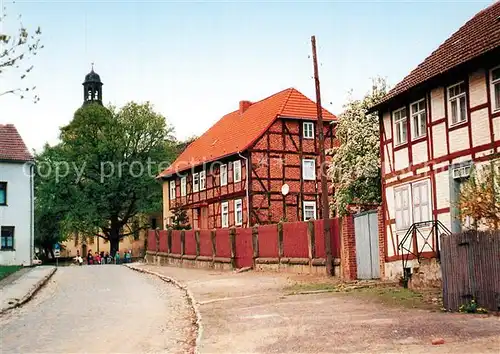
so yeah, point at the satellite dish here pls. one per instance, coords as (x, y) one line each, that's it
(285, 189)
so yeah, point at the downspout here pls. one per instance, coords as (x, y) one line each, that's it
(32, 171)
(246, 187)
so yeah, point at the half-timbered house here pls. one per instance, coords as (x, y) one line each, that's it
(440, 120)
(257, 164)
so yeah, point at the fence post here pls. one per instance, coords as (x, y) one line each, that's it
(232, 241)
(255, 243)
(311, 241)
(157, 236)
(183, 241)
(169, 241)
(197, 240)
(280, 240)
(213, 235)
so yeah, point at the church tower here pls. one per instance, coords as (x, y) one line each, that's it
(92, 88)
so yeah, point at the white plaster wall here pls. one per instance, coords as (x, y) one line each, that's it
(462, 158)
(401, 159)
(419, 152)
(18, 213)
(480, 124)
(445, 218)
(442, 189)
(388, 163)
(437, 103)
(459, 139)
(387, 125)
(477, 88)
(439, 138)
(496, 129)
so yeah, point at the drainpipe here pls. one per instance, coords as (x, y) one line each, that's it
(32, 171)
(246, 187)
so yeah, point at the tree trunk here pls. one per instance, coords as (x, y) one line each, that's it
(114, 244)
(114, 236)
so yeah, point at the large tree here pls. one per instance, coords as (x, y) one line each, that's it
(355, 164)
(17, 46)
(105, 172)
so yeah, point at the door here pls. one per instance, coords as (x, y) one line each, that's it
(367, 248)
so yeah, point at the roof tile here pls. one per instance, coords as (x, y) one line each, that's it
(236, 132)
(12, 147)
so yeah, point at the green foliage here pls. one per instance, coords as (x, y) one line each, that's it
(180, 220)
(104, 172)
(480, 197)
(355, 165)
(471, 307)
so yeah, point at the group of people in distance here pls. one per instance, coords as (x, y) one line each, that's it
(104, 258)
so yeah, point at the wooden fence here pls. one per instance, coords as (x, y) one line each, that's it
(470, 264)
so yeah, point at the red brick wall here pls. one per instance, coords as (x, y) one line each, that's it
(348, 249)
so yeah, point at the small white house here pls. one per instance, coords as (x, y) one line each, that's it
(16, 199)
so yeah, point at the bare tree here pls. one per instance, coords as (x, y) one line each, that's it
(16, 50)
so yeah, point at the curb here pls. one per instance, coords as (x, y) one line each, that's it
(189, 294)
(31, 293)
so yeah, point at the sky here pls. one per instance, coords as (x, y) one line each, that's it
(194, 61)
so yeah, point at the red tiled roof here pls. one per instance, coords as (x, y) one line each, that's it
(236, 132)
(477, 36)
(12, 147)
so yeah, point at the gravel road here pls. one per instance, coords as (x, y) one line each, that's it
(100, 309)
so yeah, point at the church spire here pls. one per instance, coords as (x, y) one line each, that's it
(92, 88)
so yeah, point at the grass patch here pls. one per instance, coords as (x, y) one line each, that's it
(8, 270)
(300, 287)
(397, 296)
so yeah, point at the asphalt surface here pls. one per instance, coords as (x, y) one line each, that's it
(100, 309)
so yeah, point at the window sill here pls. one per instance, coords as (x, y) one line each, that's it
(458, 125)
(419, 139)
(7, 249)
(401, 146)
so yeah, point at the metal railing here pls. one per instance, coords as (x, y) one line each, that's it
(411, 244)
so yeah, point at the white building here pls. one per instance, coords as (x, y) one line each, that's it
(443, 118)
(16, 199)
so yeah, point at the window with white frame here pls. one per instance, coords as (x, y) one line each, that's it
(495, 88)
(223, 175)
(412, 204)
(402, 207)
(308, 169)
(420, 201)
(196, 182)
(203, 180)
(183, 186)
(238, 212)
(308, 128)
(172, 190)
(309, 210)
(400, 126)
(237, 171)
(418, 119)
(225, 214)
(457, 103)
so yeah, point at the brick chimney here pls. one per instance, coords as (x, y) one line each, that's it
(244, 106)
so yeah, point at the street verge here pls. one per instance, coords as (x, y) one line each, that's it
(24, 287)
(191, 300)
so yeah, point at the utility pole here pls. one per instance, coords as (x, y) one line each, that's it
(322, 160)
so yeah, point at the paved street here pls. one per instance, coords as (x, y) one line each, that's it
(100, 309)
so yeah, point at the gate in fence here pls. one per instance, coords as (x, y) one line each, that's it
(367, 246)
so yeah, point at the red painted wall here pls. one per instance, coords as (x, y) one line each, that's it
(205, 243)
(163, 247)
(189, 242)
(222, 244)
(295, 242)
(268, 241)
(244, 249)
(176, 242)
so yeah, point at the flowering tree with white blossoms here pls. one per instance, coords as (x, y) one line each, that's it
(355, 164)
